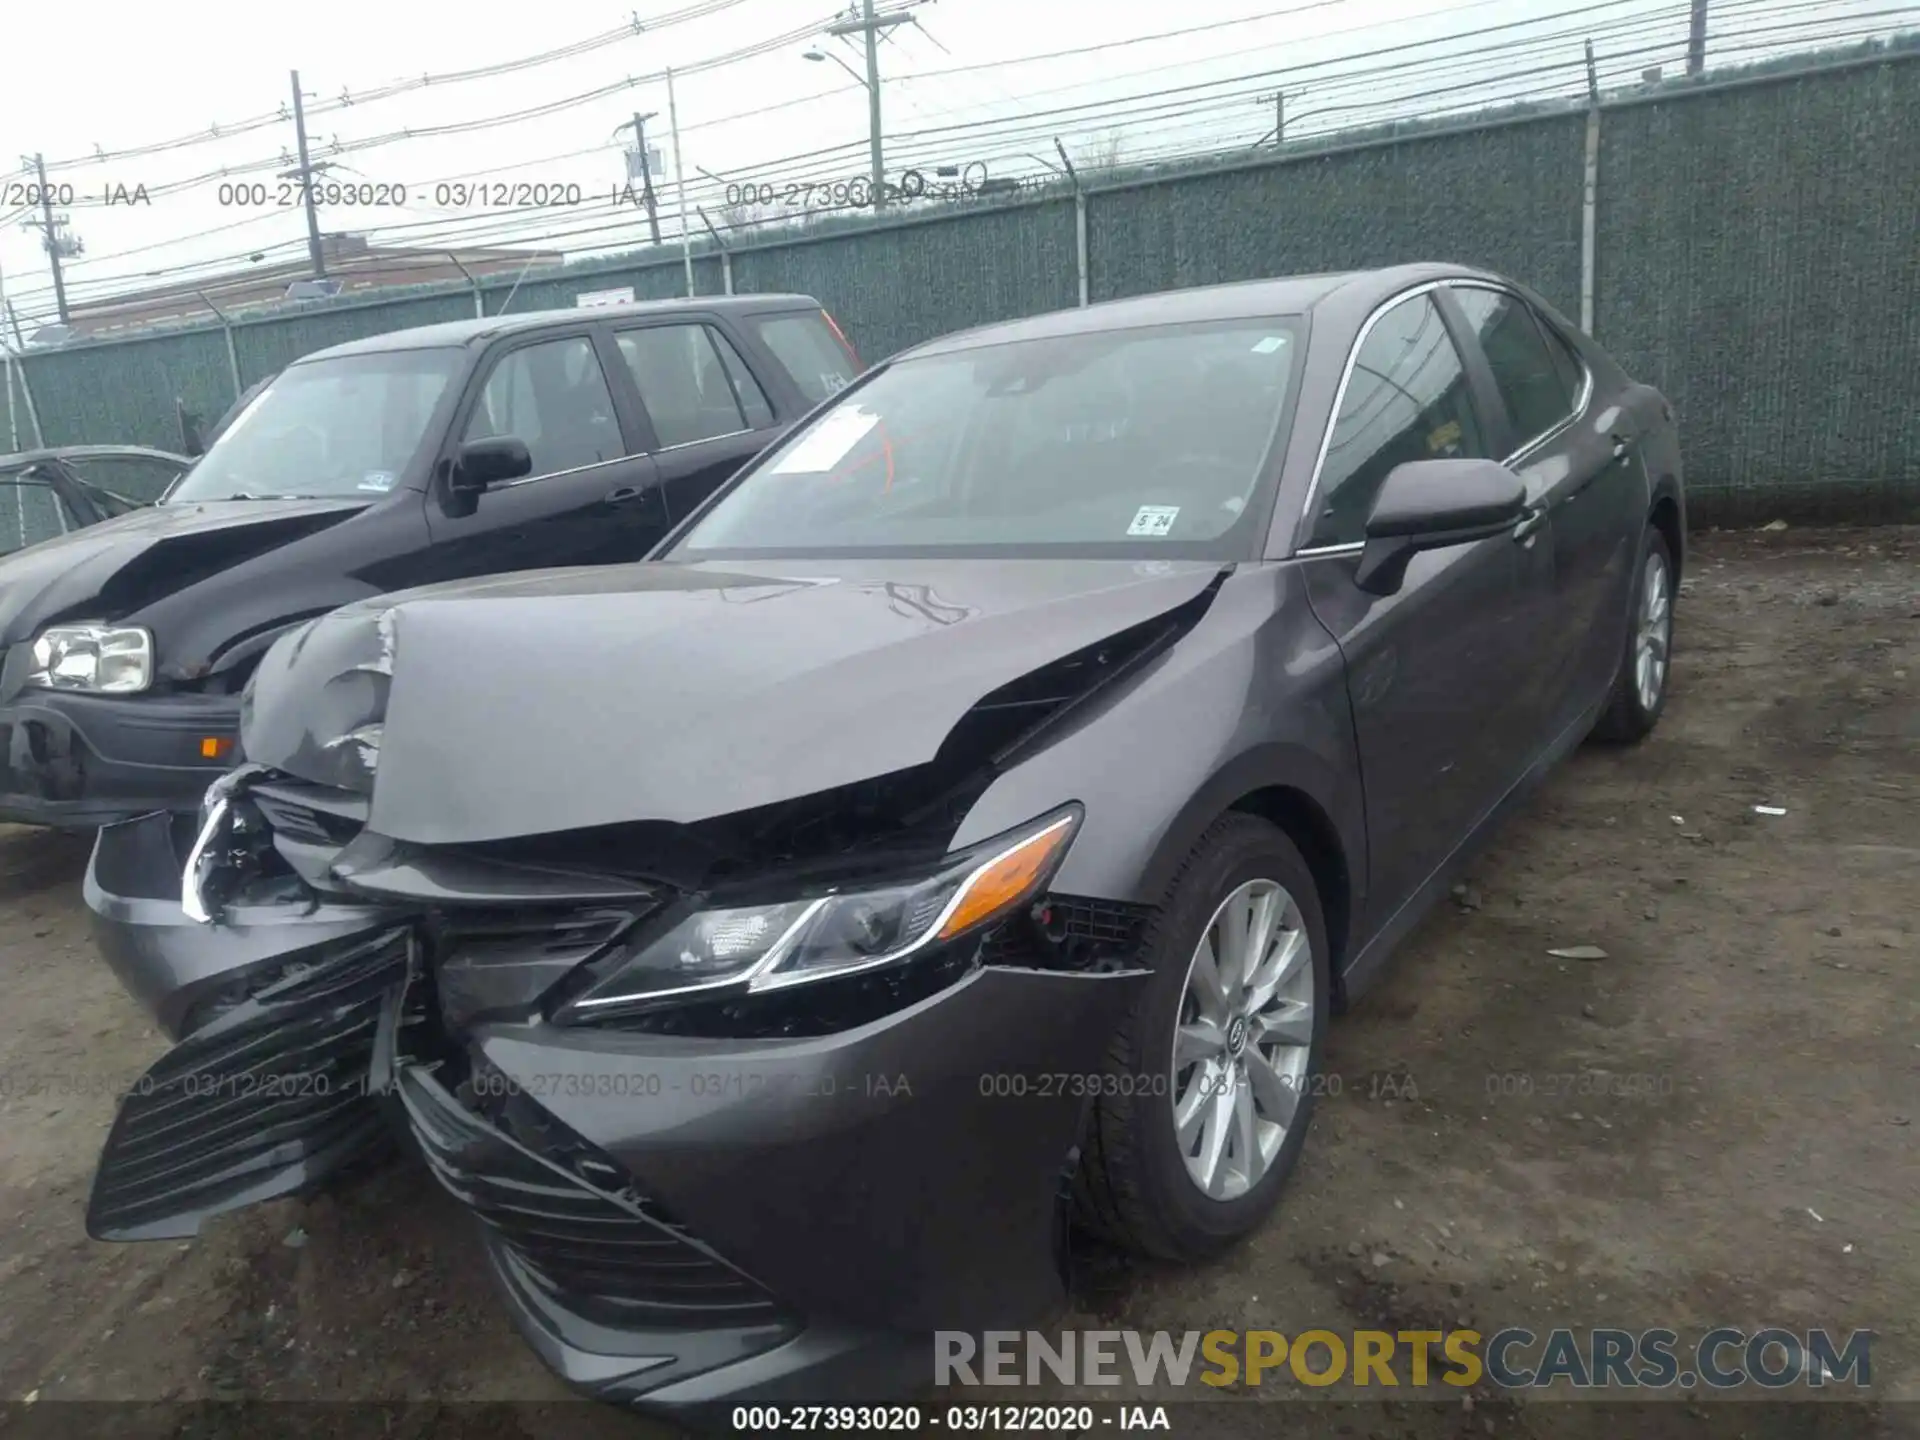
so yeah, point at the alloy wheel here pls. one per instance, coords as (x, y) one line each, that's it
(1243, 1039)
(1653, 633)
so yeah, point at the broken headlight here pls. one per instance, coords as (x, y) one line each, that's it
(752, 949)
(103, 659)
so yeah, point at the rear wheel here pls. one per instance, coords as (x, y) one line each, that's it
(1640, 685)
(1210, 1079)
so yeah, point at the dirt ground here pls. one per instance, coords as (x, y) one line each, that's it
(1759, 981)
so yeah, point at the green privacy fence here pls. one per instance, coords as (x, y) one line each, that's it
(1755, 253)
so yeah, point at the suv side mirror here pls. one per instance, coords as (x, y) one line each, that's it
(1430, 505)
(484, 463)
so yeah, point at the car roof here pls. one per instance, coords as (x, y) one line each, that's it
(1347, 294)
(484, 328)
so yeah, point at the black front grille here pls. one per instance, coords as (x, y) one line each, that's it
(315, 814)
(494, 963)
(601, 1251)
(266, 1095)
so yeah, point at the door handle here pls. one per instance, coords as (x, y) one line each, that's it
(1530, 522)
(1622, 446)
(622, 495)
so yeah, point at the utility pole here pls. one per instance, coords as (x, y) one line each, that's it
(1697, 39)
(646, 170)
(869, 26)
(680, 180)
(1279, 99)
(53, 235)
(305, 174)
(879, 180)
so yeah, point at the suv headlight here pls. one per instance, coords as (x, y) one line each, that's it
(750, 949)
(101, 659)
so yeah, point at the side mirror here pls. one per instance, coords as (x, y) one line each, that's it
(485, 463)
(1430, 505)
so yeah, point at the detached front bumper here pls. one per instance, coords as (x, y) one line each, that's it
(675, 1223)
(77, 761)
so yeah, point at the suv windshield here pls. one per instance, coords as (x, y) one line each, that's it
(345, 428)
(1123, 442)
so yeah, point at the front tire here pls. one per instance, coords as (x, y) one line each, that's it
(1640, 685)
(1211, 1076)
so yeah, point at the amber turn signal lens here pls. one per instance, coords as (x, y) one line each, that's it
(215, 747)
(1007, 879)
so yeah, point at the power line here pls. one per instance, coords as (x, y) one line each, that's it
(337, 148)
(1192, 110)
(500, 225)
(346, 99)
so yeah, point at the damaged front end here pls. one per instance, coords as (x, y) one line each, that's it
(744, 1107)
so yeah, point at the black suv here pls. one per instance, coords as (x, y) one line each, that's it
(573, 437)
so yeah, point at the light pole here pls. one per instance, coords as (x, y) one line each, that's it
(829, 55)
(869, 27)
(878, 178)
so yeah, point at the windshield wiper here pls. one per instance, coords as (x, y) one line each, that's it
(249, 495)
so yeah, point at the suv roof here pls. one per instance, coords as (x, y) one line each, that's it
(481, 330)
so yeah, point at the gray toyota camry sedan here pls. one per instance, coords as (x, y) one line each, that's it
(956, 839)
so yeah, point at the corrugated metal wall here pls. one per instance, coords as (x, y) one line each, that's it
(1757, 257)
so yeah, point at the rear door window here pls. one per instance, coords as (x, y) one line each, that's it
(1534, 389)
(813, 354)
(746, 389)
(690, 392)
(1573, 370)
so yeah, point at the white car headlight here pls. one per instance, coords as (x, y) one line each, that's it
(102, 659)
(749, 949)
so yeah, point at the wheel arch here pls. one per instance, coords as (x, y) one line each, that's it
(1666, 517)
(1293, 791)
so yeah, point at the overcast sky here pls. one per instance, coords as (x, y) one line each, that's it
(955, 88)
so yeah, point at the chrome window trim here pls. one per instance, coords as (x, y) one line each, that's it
(1340, 398)
(556, 474)
(1345, 547)
(1581, 399)
(618, 459)
(703, 440)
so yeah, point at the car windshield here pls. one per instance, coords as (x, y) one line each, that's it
(1122, 442)
(346, 427)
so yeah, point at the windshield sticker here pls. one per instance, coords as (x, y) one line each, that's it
(1269, 345)
(377, 480)
(1156, 520)
(827, 443)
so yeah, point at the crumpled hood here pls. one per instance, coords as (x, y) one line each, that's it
(113, 570)
(561, 700)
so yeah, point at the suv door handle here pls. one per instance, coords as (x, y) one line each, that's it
(622, 495)
(1530, 522)
(1622, 446)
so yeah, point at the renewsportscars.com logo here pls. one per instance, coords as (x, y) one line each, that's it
(1513, 1358)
